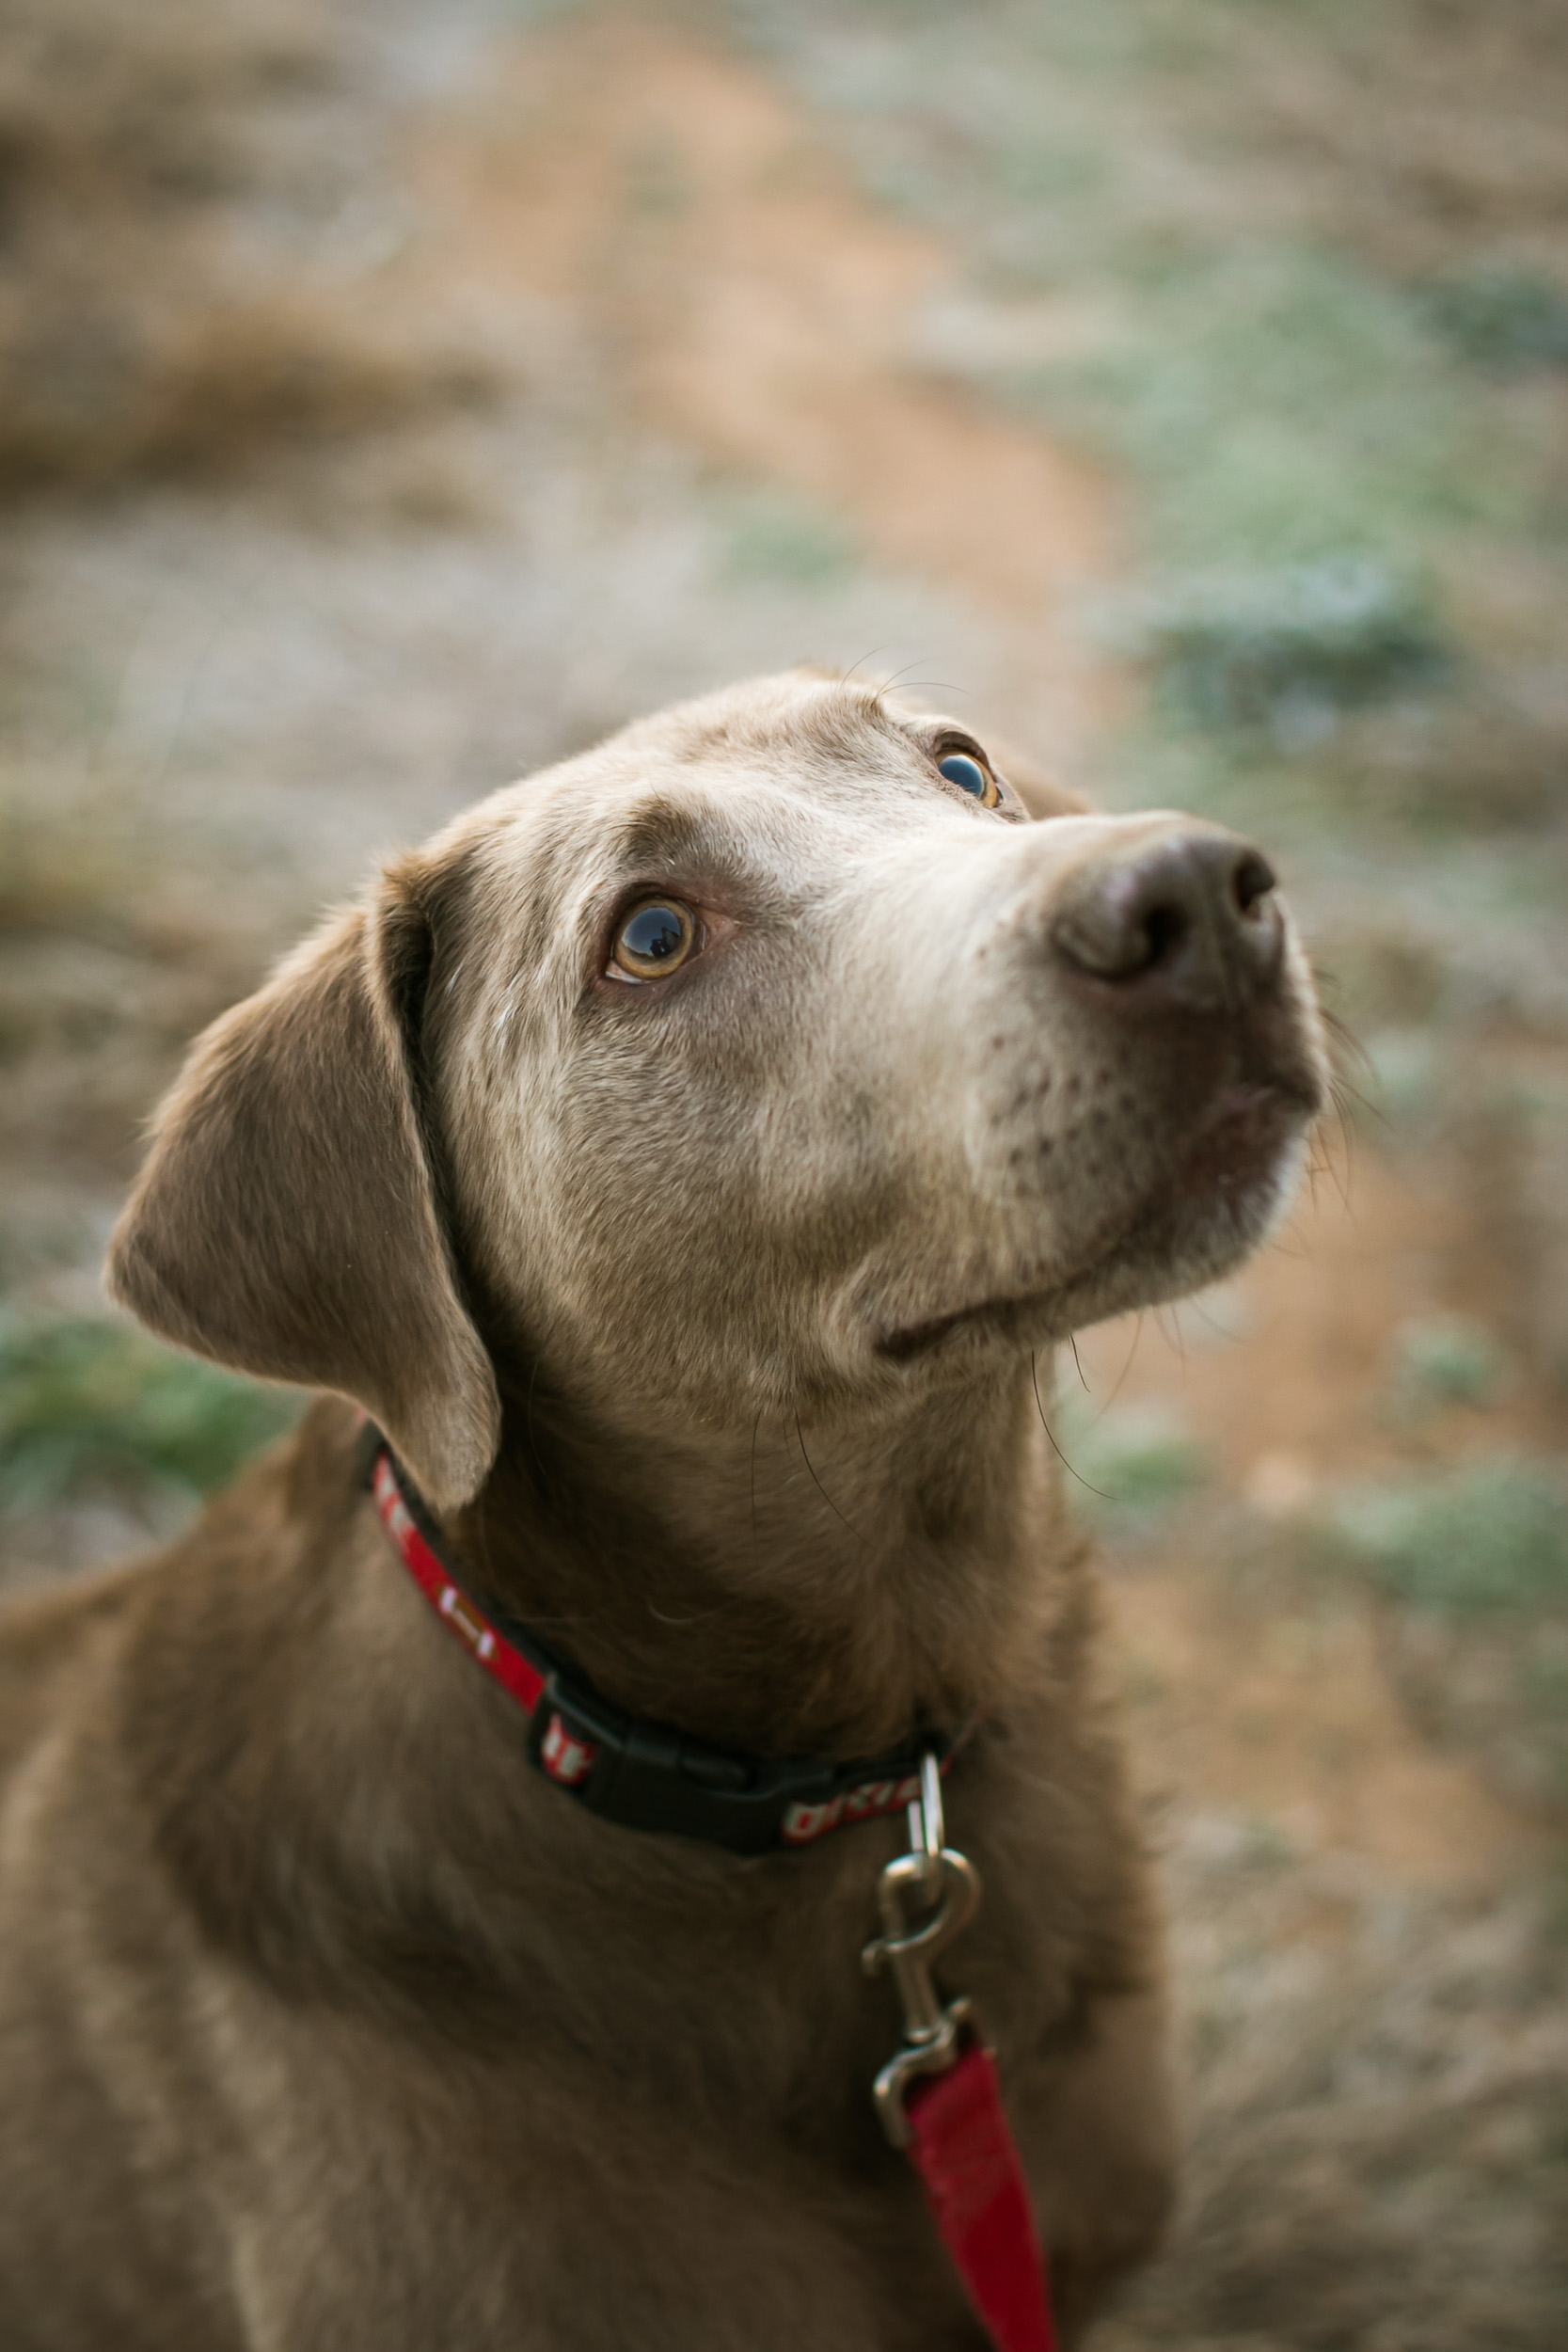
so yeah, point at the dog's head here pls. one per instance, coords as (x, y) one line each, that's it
(769, 1053)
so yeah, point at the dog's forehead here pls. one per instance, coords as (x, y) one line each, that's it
(828, 745)
(795, 718)
(791, 769)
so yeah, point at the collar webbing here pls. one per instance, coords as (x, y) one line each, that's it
(627, 1768)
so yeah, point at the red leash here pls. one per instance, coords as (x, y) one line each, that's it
(939, 2096)
(965, 2154)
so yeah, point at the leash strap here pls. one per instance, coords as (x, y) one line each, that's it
(938, 2097)
(968, 2162)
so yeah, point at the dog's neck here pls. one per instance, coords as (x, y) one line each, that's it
(786, 1587)
(427, 1837)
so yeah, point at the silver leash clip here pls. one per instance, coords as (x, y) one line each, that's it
(933, 1877)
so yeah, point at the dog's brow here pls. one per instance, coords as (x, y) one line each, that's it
(662, 831)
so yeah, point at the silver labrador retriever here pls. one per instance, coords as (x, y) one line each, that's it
(684, 1161)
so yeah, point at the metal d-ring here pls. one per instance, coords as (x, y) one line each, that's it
(931, 1872)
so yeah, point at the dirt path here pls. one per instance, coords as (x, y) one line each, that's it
(1278, 1706)
(670, 219)
(1284, 1374)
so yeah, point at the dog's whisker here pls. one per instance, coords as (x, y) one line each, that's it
(823, 1491)
(864, 657)
(935, 686)
(1167, 1322)
(889, 683)
(1033, 1383)
(1127, 1366)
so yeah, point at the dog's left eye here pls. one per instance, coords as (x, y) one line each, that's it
(961, 769)
(657, 937)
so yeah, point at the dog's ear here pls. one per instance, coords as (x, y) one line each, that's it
(287, 1222)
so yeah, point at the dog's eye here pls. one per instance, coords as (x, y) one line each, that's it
(657, 937)
(959, 767)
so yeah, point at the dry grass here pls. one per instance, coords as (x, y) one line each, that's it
(180, 282)
(1379, 2154)
(111, 953)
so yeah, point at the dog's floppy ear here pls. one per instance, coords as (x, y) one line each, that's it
(287, 1220)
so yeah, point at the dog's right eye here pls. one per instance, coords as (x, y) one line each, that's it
(657, 937)
(970, 775)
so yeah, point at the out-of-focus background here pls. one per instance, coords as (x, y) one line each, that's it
(394, 397)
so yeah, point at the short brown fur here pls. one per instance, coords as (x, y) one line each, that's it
(327, 2025)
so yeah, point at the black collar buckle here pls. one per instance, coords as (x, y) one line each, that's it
(647, 1775)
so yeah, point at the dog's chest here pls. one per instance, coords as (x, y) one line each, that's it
(691, 2143)
(521, 2204)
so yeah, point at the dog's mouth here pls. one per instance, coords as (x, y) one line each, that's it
(1231, 1166)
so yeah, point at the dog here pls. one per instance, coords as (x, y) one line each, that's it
(672, 1176)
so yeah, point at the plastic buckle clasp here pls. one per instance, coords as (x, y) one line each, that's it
(930, 1874)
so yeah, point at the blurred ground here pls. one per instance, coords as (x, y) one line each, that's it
(391, 400)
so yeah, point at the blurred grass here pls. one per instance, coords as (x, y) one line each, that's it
(1490, 1536)
(1293, 648)
(1127, 1463)
(1282, 408)
(88, 1406)
(774, 540)
(1472, 1565)
(1444, 1359)
(173, 289)
(1504, 319)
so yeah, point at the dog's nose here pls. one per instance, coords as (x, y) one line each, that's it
(1189, 919)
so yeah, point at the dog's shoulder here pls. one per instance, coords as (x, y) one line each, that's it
(50, 1641)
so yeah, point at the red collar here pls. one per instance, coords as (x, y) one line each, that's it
(629, 1769)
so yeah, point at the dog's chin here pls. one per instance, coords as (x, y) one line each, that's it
(1227, 1194)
